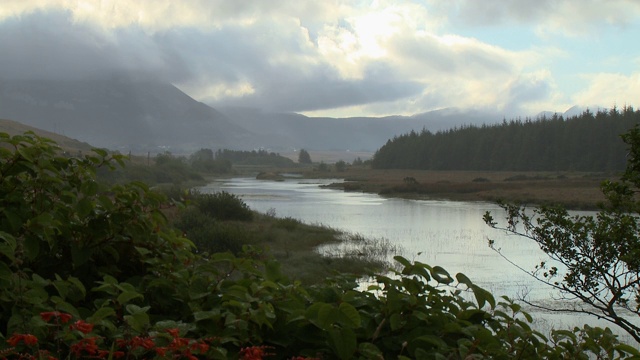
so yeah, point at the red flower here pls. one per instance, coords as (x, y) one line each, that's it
(87, 345)
(161, 351)
(174, 332)
(82, 326)
(28, 339)
(179, 343)
(200, 347)
(254, 353)
(144, 342)
(48, 315)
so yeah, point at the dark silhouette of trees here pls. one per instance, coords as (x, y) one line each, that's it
(304, 157)
(259, 157)
(588, 142)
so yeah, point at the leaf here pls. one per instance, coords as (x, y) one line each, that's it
(402, 261)
(101, 314)
(483, 296)
(127, 296)
(84, 207)
(344, 342)
(31, 247)
(349, 313)
(206, 315)
(8, 240)
(5, 275)
(370, 351)
(396, 321)
(628, 349)
(78, 284)
(79, 255)
(272, 270)
(138, 321)
(321, 315)
(441, 275)
(463, 279)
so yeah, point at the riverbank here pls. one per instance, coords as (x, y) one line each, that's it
(573, 190)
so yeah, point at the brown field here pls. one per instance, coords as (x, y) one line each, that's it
(570, 189)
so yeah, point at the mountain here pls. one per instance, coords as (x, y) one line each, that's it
(283, 131)
(119, 114)
(124, 114)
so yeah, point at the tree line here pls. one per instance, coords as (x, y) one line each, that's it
(253, 157)
(587, 142)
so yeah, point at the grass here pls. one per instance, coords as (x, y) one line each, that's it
(301, 249)
(309, 253)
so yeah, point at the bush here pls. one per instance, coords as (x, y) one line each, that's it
(211, 235)
(223, 206)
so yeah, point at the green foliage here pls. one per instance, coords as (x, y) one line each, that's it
(588, 142)
(204, 161)
(597, 258)
(260, 157)
(209, 234)
(323, 167)
(62, 231)
(222, 206)
(340, 166)
(304, 157)
(92, 271)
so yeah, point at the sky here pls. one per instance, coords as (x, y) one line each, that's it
(340, 58)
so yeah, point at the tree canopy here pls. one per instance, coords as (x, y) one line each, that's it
(589, 142)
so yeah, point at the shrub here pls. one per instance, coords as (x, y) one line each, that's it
(223, 206)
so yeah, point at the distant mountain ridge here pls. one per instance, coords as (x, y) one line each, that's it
(118, 114)
(140, 116)
(281, 130)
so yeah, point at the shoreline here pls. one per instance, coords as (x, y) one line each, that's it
(573, 190)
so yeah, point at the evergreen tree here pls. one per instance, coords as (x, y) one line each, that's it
(304, 157)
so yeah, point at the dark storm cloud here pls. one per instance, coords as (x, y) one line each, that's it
(51, 46)
(306, 95)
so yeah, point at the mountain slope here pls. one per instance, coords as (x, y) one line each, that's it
(119, 114)
(70, 145)
(282, 130)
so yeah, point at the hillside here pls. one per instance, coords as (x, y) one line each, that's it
(119, 114)
(70, 145)
(283, 131)
(139, 116)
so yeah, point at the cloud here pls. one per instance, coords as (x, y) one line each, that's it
(609, 89)
(549, 17)
(50, 46)
(382, 56)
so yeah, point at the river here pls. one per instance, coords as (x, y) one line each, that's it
(450, 234)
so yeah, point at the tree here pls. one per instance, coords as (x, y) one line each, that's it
(341, 166)
(598, 257)
(304, 157)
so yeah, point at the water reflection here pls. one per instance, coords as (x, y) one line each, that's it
(445, 233)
